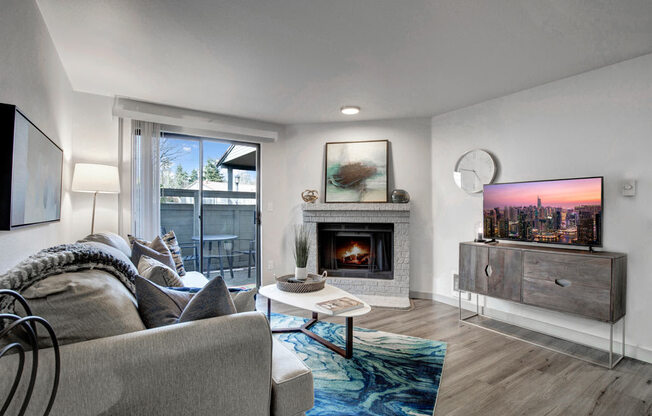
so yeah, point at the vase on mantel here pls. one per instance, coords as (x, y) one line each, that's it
(301, 273)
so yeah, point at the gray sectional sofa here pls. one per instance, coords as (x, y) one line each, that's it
(228, 365)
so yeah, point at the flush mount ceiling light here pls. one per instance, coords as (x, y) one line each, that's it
(350, 110)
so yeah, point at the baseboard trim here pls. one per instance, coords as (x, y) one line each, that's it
(632, 351)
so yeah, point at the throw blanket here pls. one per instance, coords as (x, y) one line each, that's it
(64, 258)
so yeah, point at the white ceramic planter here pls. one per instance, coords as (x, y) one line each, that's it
(300, 273)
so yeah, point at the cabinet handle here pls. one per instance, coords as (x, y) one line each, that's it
(562, 282)
(487, 270)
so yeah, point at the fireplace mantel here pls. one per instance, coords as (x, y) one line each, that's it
(378, 292)
(369, 206)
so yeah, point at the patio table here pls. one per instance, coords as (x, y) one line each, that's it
(220, 239)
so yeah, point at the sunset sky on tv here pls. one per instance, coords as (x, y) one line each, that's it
(563, 193)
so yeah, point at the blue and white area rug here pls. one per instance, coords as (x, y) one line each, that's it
(389, 374)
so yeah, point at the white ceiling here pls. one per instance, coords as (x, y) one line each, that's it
(290, 61)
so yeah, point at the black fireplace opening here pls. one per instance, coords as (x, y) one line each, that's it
(356, 250)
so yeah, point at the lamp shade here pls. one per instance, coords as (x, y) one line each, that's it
(90, 177)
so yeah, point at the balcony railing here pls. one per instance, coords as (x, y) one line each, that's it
(224, 212)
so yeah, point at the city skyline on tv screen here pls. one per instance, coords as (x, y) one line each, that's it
(565, 211)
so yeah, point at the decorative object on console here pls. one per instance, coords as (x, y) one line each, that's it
(473, 170)
(310, 195)
(32, 165)
(356, 171)
(478, 233)
(400, 196)
(90, 177)
(301, 251)
(312, 283)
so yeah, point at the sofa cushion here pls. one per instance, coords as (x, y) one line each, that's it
(157, 272)
(83, 305)
(160, 306)
(111, 240)
(292, 384)
(156, 250)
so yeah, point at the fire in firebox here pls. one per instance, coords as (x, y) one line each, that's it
(353, 252)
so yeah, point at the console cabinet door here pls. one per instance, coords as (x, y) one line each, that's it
(504, 273)
(473, 262)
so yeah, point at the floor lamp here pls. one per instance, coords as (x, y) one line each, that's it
(97, 179)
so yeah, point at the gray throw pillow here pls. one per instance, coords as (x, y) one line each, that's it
(170, 240)
(158, 272)
(159, 306)
(83, 305)
(245, 300)
(111, 240)
(211, 301)
(156, 250)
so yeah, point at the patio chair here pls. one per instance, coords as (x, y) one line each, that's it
(251, 256)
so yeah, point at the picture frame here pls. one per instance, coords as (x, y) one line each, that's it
(356, 172)
(31, 176)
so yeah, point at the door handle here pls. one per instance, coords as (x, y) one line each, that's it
(562, 282)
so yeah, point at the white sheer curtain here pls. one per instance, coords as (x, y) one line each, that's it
(145, 188)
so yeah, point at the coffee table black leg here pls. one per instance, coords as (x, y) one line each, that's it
(269, 309)
(349, 338)
(346, 352)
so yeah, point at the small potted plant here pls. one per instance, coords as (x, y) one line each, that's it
(301, 252)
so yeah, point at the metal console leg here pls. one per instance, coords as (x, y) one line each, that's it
(613, 358)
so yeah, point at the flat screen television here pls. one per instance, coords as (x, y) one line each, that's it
(559, 211)
(30, 172)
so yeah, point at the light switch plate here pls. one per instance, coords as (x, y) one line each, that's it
(629, 187)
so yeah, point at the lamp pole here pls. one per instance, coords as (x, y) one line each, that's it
(93, 220)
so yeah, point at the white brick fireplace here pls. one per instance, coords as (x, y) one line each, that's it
(378, 292)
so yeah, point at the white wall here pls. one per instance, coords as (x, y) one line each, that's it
(94, 140)
(597, 123)
(296, 163)
(32, 77)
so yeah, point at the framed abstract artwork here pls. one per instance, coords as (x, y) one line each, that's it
(356, 171)
(31, 167)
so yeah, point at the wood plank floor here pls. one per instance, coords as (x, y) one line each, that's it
(490, 374)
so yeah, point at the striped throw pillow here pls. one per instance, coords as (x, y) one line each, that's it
(171, 241)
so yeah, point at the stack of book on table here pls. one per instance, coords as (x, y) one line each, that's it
(340, 305)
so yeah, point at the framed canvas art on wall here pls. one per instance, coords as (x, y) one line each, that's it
(356, 171)
(31, 167)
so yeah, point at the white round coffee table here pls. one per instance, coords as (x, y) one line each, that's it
(308, 301)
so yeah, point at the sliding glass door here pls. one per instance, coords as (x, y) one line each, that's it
(209, 198)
